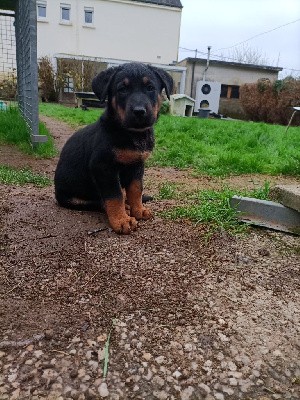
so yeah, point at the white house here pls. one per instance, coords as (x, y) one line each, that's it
(129, 30)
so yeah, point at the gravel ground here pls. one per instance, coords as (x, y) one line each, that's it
(180, 316)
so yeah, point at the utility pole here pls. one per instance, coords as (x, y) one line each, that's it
(207, 62)
(193, 71)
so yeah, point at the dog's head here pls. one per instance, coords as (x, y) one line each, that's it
(134, 93)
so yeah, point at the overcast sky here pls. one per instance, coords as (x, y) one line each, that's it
(224, 23)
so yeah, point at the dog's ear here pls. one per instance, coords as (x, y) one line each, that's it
(102, 82)
(165, 79)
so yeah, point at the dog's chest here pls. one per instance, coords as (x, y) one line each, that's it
(128, 156)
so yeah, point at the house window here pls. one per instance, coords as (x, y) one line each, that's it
(88, 15)
(65, 13)
(230, 91)
(68, 84)
(41, 10)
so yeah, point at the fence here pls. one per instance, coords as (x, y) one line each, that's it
(25, 48)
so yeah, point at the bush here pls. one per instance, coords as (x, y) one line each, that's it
(271, 101)
(8, 86)
(47, 80)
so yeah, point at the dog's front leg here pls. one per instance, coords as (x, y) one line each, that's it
(134, 193)
(119, 220)
(107, 181)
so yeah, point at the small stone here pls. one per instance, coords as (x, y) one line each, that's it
(2, 354)
(48, 334)
(158, 381)
(223, 337)
(161, 395)
(232, 382)
(204, 389)
(149, 375)
(188, 347)
(93, 365)
(91, 395)
(38, 353)
(29, 362)
(264, 252)
(177, 374)
(15, 394)
(101, 354)
(74, 373)
(187, 393)
(81, 373)
(91, 343)
(147, 356)
(232, 366)
(277, 353)
(160, 359)
(227, 390)
(235, 374)
(102, 390)
(102, 338)
(12, 377)
(219, 396)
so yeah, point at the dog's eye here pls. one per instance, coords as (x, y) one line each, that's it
(150, 88)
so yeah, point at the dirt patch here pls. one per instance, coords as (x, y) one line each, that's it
(193, 319)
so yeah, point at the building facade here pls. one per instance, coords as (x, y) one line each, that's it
(129, 30)
(230, 76)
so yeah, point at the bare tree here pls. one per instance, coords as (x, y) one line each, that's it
(246, 55)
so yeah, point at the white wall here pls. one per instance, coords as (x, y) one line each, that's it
(122, 30)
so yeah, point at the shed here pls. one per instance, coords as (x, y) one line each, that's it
(182, 105)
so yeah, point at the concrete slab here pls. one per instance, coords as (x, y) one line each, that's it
(288, 195)
(268, 214)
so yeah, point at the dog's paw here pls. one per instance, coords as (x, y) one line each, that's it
(124, 225)
(141, 213)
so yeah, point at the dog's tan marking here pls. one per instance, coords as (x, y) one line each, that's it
(134, 199)
(145, 80)
(119, 111)
(126, 156)
(126, 81)
(119, 220)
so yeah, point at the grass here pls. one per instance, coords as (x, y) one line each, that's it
(219, 148)
(13, 130)
(213, 147)
(13, 176)
(212, 208)
(71, 115)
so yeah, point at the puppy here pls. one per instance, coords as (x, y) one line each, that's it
(102, 165)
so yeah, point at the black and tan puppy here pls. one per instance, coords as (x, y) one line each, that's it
(102, 165)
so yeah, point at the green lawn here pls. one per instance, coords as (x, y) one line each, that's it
(210, 146)
(219, 147)
(13, 130)
(73, 116)
(13, 176)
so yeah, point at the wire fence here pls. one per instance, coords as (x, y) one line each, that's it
(8, 63)
(18, 42)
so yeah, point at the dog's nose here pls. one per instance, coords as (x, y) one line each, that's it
(139, 111)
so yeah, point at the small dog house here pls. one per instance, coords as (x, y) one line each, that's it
(182, 105)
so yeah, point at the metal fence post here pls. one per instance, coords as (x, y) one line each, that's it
(27, 67)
